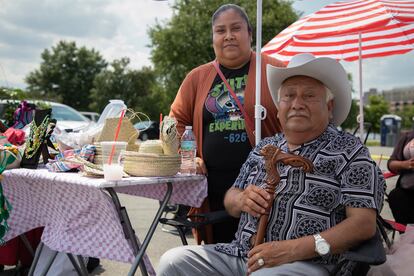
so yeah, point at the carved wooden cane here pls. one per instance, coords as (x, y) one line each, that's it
(272, 156)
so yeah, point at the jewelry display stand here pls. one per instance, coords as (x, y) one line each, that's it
(39, 139)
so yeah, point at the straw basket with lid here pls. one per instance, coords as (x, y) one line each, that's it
(156, 157)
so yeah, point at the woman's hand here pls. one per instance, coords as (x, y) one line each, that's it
(409, 164)
(201, 166)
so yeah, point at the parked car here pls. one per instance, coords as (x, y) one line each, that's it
(148, 130)
(93, 116)
(67, 118)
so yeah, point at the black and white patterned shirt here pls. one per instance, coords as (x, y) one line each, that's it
(344, 175)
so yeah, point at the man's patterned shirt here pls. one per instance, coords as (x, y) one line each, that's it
(344, 175)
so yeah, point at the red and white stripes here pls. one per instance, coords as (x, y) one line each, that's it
(386, 27)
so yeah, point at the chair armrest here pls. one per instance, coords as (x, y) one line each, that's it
(370, 251)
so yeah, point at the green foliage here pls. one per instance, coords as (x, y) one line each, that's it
(66, 74)
(133, 86)
(373, 112)
(12, 96)
(407, 115)
(185, 42)
(351, 121)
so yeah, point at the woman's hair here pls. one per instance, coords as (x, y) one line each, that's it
(237, 9)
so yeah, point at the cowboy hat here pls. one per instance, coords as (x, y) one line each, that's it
(326, 70)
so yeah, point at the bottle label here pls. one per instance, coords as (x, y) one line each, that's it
(187, 145)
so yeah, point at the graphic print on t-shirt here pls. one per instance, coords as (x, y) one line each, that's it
(225, 141)
(220, 102)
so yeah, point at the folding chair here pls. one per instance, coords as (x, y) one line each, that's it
(357, 260)
(181, 223)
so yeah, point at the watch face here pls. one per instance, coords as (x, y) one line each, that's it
(323, 248)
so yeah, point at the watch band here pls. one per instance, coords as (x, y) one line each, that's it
(322, 247)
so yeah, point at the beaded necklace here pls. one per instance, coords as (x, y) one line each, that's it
(36, 137)
(5, 207)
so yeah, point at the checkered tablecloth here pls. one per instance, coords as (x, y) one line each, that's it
(77, 215)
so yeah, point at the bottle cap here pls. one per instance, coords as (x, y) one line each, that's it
(188, 127)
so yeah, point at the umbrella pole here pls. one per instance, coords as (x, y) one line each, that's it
(258, 109)
(361, 97)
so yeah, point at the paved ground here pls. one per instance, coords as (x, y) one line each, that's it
(142, 210)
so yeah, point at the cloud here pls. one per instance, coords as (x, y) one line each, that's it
(383, 73)
(116, 28)
(62, 17)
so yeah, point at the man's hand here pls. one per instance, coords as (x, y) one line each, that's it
(201, 166)
(252, 200)
(273, 254)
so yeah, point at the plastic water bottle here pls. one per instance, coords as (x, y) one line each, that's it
(188, 152)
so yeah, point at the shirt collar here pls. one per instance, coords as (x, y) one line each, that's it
(323, 137)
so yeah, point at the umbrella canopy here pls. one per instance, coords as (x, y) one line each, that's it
(349, 30)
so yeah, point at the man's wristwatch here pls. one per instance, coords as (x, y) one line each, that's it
(322, 247)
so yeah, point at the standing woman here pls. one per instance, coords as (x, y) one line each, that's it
(224, 135)
(401, 198)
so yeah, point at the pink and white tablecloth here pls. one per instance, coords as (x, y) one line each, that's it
(78, 216)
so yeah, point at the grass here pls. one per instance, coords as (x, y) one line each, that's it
(373, 143)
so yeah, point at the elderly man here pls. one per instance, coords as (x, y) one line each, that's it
(315, 216)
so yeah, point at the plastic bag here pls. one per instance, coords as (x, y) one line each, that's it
(76, 140)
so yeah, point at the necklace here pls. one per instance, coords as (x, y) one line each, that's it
(36, 137)
(5, 207)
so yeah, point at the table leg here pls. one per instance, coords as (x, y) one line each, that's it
(78, 267)
(49, 263)
(27, 244)
(36, 259)
(151, 230)
(82, 265)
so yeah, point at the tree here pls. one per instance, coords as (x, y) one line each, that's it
(185, 41)
(407, 115)
(376, 108)
(66, 74)
(135, 87)
(351, 120)
(12, 96)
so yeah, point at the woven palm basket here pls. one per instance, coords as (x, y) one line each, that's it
(98, 152)
(151, 146)
(150, 164)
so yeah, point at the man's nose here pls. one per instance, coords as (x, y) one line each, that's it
(298, 102)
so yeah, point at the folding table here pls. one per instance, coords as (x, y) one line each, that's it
(81, 219)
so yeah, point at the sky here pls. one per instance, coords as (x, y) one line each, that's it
(118, 28)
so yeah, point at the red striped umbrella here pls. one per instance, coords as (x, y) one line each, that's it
(349, 30)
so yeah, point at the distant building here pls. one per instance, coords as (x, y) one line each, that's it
(397, 98)
(372, 91)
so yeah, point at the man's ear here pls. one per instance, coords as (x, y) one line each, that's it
(331, 105)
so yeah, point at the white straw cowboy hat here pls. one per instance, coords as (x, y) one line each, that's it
(326, 70)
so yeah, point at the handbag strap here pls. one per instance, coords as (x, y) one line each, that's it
(247, 119)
